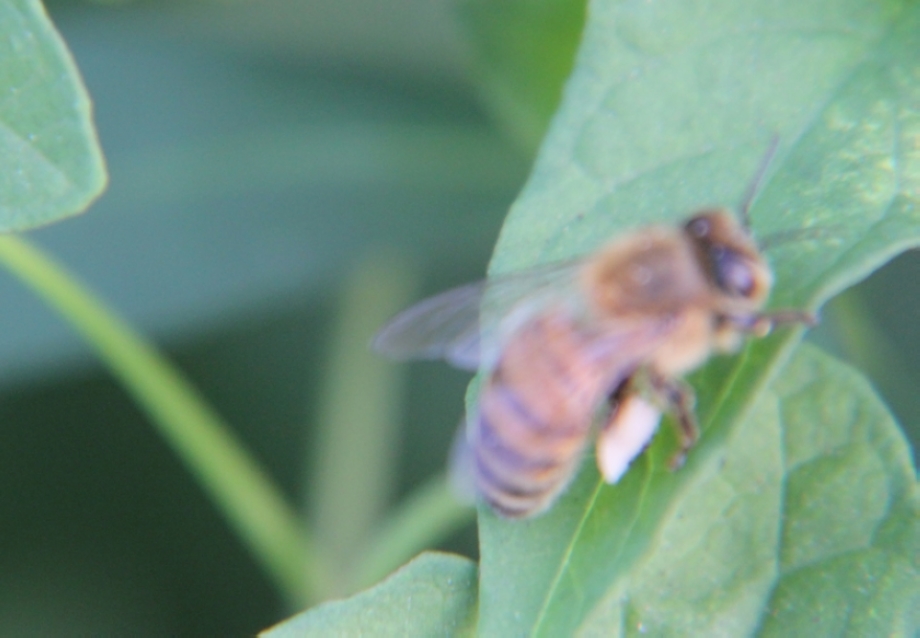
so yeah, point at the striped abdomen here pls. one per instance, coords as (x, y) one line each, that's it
(535, 412)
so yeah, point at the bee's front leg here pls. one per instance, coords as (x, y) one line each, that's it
(762, 324)
(680, 400)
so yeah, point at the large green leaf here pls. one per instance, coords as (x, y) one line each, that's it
(806, 521)
(50, 162)
(850, 539)
(671, 106)
(434, 595)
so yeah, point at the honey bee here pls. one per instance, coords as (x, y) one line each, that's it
(606, 337)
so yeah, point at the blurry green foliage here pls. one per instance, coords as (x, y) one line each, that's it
(524, 51)
(800, 501)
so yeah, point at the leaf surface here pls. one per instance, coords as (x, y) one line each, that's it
(807, 521)
(433, 595)
(51, 165)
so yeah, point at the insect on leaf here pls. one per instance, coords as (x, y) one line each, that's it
(670, 107)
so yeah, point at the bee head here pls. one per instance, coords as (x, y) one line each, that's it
(729, 255)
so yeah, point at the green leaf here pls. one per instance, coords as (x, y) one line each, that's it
(671, 107)
(51, 165)
(849, 559)
(434, 595)
(836, 472)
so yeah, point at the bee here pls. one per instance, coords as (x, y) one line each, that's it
(606, 337)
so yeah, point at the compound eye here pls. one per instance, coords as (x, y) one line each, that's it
(699, 227)
(733, 273)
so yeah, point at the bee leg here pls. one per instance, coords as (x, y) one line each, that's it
(615, 399)
(761, 324)
(680, 399)
(630, 425)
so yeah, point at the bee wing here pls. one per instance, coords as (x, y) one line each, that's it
(466, 326)
(445, 326)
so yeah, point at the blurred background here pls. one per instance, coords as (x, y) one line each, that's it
(283, 176)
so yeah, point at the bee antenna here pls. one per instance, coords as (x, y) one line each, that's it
(757, 182)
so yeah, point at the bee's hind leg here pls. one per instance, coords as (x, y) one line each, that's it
(630, 425)
(680, 400)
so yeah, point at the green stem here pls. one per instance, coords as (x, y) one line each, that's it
(426, 517)
(359, 418)
(243, 491)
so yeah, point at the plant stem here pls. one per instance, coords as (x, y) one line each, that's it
(429, 514)
(252, 504)
(359, 418)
